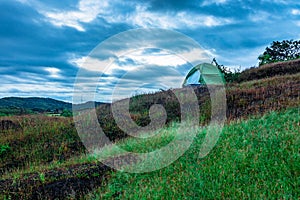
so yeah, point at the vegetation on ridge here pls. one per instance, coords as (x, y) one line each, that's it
(280, 51)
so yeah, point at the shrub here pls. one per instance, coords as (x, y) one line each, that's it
(3, 149)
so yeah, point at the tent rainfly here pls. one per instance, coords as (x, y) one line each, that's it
(209, 74)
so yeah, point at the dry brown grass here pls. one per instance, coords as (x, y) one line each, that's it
(270, 70)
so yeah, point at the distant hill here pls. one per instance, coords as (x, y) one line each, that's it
(19, 105)
(35, 103)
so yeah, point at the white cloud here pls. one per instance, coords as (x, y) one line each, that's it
(282, 2)
(143, 71)
(46, 87)
(196, 56)
(30, 86)
(91, 64)
(141, 58)
(53, 72)
(295, 11)
(88, 10)
(209, 2)
(260, 16)
(161, 58)
(145, 19)
(193, 20)
(23, 1)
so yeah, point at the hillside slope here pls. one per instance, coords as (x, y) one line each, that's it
(256, 158)
(243, 99)
(270, 70)
(253, 159)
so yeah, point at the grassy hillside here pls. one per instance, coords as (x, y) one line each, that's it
(243, 99)
(38, 140)
(270, 70)
(254, 159)
(42, 157)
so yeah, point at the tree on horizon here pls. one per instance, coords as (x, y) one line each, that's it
(280, 51)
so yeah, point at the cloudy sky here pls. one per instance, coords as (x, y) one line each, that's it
(44, 44)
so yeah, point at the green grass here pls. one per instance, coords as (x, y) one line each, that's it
(4, 149)
(254, 159)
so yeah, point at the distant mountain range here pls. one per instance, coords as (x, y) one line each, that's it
(19, 105)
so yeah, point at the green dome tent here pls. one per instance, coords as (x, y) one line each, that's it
(209, 74)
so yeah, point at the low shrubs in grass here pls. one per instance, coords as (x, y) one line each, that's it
(41, 140)
(3, 149)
